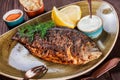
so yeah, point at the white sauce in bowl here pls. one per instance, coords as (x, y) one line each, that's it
(87, 24)
(21, 59)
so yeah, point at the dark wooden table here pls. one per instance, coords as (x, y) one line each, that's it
(113, 74)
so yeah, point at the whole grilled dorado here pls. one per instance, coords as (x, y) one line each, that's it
(62, 45)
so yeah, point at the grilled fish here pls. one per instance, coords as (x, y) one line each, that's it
(62, 45)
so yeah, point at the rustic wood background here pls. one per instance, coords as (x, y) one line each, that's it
(114, 74)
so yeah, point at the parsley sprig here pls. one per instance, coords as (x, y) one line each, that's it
(41, 28)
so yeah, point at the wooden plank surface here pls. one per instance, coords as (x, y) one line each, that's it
(7, 5)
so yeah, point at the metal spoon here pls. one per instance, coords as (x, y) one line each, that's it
(90, 8)
(39, 70)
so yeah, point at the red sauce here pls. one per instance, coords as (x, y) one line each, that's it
(12, 17)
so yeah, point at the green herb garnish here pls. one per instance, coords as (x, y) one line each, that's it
(41, 28)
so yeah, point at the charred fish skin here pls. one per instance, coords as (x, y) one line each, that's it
(62, 45)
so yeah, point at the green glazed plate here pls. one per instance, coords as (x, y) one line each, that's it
(105, 42)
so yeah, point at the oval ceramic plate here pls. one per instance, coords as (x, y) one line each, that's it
(105, 42)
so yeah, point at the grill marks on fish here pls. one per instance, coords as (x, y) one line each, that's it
(62, 45)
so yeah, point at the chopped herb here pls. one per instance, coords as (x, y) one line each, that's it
(41, 28)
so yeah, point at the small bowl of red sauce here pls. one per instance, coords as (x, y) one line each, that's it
(13, 18)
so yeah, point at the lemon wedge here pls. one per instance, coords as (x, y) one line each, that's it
(67, 16)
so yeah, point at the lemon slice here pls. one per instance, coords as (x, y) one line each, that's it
(61, 19)
(73, 12)
(67, 16)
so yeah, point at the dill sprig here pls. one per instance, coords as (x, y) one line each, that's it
(41, 28)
